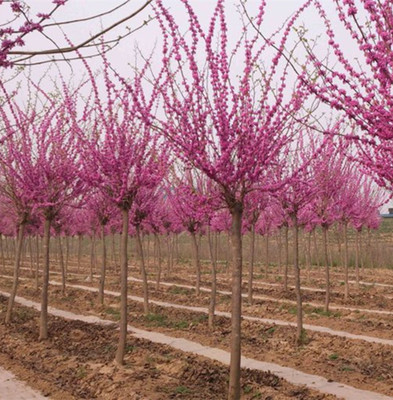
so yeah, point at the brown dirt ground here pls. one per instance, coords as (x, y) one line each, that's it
(76, 363)
(360, 364)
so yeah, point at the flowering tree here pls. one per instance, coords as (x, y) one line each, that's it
(52, 176)
(359, 88)
(329, 176)
(120, 157)
(255, 204)
(224, 122)
(190, 206)
(144, 204)
(297, 193)
(101, 210)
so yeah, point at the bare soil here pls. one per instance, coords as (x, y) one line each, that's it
(76, 363)
(356, 363)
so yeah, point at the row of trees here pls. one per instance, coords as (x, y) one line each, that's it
(246, 132)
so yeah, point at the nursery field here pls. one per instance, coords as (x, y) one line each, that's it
(171, 350)
(190, 200)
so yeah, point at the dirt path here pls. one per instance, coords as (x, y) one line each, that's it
(267, 298)
(314, 328)
(289, 374)
(204, 310)
(13, 389)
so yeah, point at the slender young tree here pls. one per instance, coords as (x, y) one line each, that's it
(120, 157)
(225, 122)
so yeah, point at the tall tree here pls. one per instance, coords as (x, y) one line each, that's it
(224, 122)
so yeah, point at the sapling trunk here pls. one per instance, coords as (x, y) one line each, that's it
(197, 264)
(308, 250)
(143, 271)
(346, 262)
(157, 238)
(361, 250)
(286, 258)
(279, 251)
(177, 248)
(55, 251)
(31, 257)
(316, 255)
(172, 254)
(45, 282)
(92, 256)
(299, 306)
(79, 252)
(11, 300)
(267, 255)
(327, 274)
(147, 258)
(340, 253)
(123, 290)
(369, 251)
(228, 252)
(7, 254)
(13, 247)
(357, 259)
(67, 255)
(251, 265)
(103, 267)
(168, 265)
(62, 265)
(213, 293)
(37, 264)
(236, 304)
(216, 236)
(2, 252)
(329, 246)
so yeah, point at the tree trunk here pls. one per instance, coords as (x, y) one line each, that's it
(369, 250)
(361, 250)
(159, 261)
(267, 255)
(62, 266)
(121, 347)
(308, 250)
(31, 257)
(92, 256)
(236, 304)
(316, 255)
(45, 282)
(251, 265)
(330, 251)
(286, 258)
(213, 293)
(168, 264)
(103, 267)
(299, 313)
(114, 258)
(15, 282)
(143, 271)
(197, 264)
(2, 252)
(279, 251)
(67, 255)
(6, 247)
(37, 265)
(145, 248)
(326, 257)
(346, 262)
(357, 259)
(79, 252)
(177, 249)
